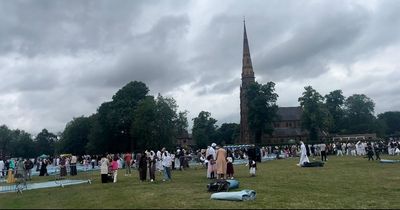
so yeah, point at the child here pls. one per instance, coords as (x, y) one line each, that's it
(253, 166)
(114, 168)
(229, 168)
(210, 167)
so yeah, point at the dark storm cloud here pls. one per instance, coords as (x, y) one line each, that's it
(82, 52)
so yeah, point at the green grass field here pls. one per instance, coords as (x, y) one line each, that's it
(344, 182)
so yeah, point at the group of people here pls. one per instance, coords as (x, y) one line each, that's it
(219, 162)
(147, 163)
(16, 168)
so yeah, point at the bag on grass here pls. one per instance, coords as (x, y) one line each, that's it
(218, 186)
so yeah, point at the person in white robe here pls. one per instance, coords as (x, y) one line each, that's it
(303, 154)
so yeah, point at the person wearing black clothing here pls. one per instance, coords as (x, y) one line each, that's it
(370, 152)
(377, 151)
(143, 167)
(43, 168)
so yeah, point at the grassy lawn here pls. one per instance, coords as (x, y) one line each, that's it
(344, 182)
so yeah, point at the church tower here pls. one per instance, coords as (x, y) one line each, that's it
(246, 135)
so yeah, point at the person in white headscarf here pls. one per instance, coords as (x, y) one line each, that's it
(303, 154)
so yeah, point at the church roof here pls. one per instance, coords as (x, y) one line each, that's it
(284, 132)
(289, 113)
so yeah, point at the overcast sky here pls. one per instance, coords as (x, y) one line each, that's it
(61, 59)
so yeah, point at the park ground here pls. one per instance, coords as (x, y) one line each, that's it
(344, 182)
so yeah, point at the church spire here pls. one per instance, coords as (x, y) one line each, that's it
(246, 135)
(247, 66)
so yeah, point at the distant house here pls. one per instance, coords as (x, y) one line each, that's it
(287, 129)
(184, 140)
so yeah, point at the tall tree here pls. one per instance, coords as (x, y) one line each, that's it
(21, 144)
(391, 121)
(166, 117)
(5, 139)
(334, 102)
(315, 117)
(228, 133)
(75, 136)
(262, 108)
(360, 114)
(45, 142)
(115, 118)
(182, 123)
(204, 129)
(144, 124)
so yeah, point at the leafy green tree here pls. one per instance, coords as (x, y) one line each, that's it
(182, 123)
(391, 121)
(21, 144)
(144, 124)
(334, 102)
(262, 108)
(228, 133)
(45, 142)
(115, 118)
(75, 136)
(166, 117)
(5, 139)
(97, 139)
(315, 118)
(360, 114)
(204, 129)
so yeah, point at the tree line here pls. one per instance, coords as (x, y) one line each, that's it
(134, 120)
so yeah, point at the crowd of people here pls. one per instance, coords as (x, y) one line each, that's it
(217, 160)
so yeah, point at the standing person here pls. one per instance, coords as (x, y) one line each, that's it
(339, 151)
(166, 163)
(303, 154)
(370, 152)
(377, 149)
(210, 167)
(11, 167)
(63, 167)
(28, 165)
(128, 163)
(229, 168)
(19, 173)
(221, 162)
(252, 167)
(43, 168)
(73, 165)
(104, 163)
(143, 167)
(172, 161)
(114, 168)
(2, 165)
(322, 147)
(152, 160)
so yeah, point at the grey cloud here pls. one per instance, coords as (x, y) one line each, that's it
(314, 43)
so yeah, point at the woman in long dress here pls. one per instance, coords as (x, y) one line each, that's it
(221, 163)
(303, 154)
(143, 167)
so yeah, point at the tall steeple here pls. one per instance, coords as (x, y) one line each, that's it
(246, 135)
(247, 66)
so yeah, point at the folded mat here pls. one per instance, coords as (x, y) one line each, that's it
(243, 195)
(389, 161)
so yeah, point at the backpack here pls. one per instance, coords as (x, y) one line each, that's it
(218, 186)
